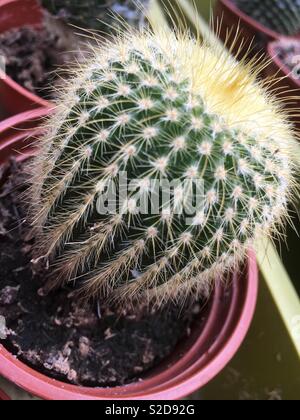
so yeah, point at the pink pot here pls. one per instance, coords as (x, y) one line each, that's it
(3, 396)
(216, 335)
(233, 19)
(13, 14)
(286, 85)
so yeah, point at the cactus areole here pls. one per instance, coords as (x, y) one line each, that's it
(151, 109)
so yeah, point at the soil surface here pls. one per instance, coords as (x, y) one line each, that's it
(34, 56)
(91, 345)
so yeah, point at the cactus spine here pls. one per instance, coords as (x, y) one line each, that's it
(159, 107)
(282, 16)
(97, 14)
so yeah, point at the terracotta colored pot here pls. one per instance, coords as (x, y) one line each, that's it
(216, 336)
(3, 396)
(233, 19)
(287, 85)
(14, 14)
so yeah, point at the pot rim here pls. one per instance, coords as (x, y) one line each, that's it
(23, 91)
(31, 116)
(182, 378)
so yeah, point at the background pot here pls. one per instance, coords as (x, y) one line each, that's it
(278, 67)
(14, 14)
(234, 20)
(287, 84)
(216, 335)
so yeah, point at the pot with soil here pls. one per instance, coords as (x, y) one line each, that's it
(36, 44)
(15, 14)
(257, 22)
(195, 347)
(102, 296)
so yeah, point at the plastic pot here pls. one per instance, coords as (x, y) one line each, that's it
(234, 20)
(287, 84)
(14, 98)
(216, 335)
(3, 396)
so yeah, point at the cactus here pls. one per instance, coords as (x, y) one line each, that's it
(282, 16)
(97, 14)
(159, 107)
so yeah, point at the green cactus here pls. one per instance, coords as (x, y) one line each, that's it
(159, 107)
(97, 14)
(282, 16)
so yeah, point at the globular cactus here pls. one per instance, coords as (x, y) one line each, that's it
(159, 107)
(282, 16)
(97, 14)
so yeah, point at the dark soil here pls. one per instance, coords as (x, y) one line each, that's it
(289, 55)
(33, 57)
(56, 334)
